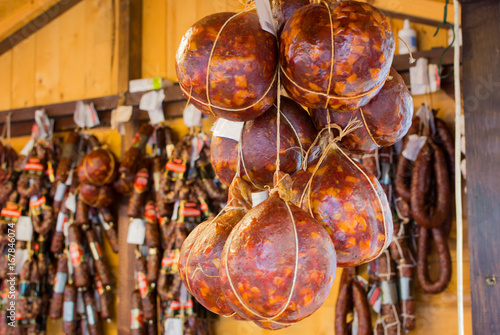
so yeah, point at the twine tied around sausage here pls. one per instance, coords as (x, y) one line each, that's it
(209, 103)
(293, 285)
(351, 126)
(229, 207)
(276, 188)
(327, 95)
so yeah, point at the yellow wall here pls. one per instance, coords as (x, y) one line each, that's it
(70, 58)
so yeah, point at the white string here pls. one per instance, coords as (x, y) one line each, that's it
(458, 176)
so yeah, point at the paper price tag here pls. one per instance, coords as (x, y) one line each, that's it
(24, 229)
(415, 143)
(192, 116)
(175, 214)
(85, 115)
(227, 129)
(265, 16)
(27, 148)
(21, 257)
(136, 232)
(375, 298)
(173, 326)
(152, 100)
(70, 203)
(258, 197)
(156, 116)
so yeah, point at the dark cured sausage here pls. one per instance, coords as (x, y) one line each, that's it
(92, 317)
(341, 309)
(82, 212)
(80, 267)
(57, 244)
(152, 239)
(105, 300)
(153, 266)
(56, 303)
(135, 203)
(70, 323)
(148, 295)
(434, 217)
(387, 275)
(402, 182)
(101, 267)
(352, 295)
(444, 261)
(445, 140)
(136, 314)
(362, 309)
(106, 219)
(68, 156)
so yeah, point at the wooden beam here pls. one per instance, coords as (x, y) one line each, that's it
(421, 9)
(129, 40)
(22, 118)
(15, 14)
(401, 62)
(413, 18)
(481, 73)
(35, 24)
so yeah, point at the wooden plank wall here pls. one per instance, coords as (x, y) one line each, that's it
(71, 58)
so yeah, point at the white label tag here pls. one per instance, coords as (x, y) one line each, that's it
(24, 229)
(265, 16)
(60, 190)
(60, 282)
(136, 232)
(69, 181)
(120, 115)
(123, 113)
(70, 265)
(27, 148)
(70, 203)
(68, 311)
(183, 297)
(43, 123)
(156, 116)
(227, 129)
(173, 326)
(91, 117)
(175, 215)
(85, 115)
(192, 116)
(21, 257)
(258, 197)
(389, 292)
(426, 117)
(415, 143)
(152, 100)
(419, 77)
(61, 220)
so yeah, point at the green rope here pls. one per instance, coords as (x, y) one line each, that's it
(445, 23)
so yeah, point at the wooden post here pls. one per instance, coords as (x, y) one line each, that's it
(129, 67)
(481, 78)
